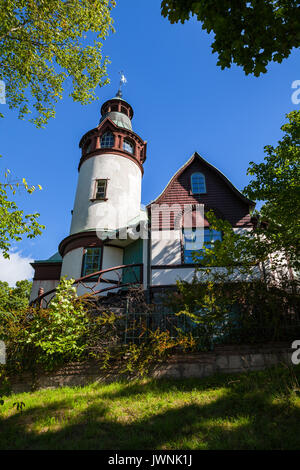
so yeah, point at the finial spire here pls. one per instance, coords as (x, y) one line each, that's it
(123, 80)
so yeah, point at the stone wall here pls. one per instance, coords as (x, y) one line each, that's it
(224, 359)
(228, 360)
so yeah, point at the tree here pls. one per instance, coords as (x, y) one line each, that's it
(43, 43)
(16, 298)
(236, 294)
(13, 222)
(276, 181)
(248, 33)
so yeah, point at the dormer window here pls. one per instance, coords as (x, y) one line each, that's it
(107, 140)
(198, 183)
(128, 146)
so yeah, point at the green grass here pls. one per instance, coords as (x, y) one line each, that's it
(258, 410)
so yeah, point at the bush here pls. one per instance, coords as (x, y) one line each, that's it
(47, 337)
(238, 312)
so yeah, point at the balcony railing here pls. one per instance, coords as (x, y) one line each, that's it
(118, 277)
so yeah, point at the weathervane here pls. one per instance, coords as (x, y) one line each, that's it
(123, 80)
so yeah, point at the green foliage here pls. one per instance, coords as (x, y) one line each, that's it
(237, 295)
(59, 331)
(127, 344)
(248, 33)
(253, 410)
(71, 330)
(16, 298)
(238, 312)
(13, 222)
(19, 405)
(46, 337)
(276, 181)
(138, 360)
(240, 250)
(44, 43)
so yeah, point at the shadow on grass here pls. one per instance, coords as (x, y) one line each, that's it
(251, 411)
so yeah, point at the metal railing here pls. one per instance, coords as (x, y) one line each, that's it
(139, 326)
(127, 275)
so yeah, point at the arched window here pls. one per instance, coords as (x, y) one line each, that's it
(128, 146)
(198, 183)
(107, 140)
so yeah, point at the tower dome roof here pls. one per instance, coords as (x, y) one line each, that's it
(118, 111)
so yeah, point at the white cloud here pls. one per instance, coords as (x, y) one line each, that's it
(16, 268)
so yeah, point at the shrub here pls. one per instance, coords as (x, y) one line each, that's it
(46, 337)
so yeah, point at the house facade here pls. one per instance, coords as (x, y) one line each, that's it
(109, 229)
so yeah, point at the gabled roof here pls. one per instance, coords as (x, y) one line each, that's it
(209, 165)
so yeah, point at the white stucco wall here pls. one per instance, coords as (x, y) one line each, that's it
(72, 267)
(72, 264)
(123, 194)
(166, 250)
(165, 247)
(112, 256)
(166, 277)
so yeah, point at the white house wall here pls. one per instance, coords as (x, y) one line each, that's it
(72, 267)
(165, 251)
(72, 264)
(167, 277)
(112, 256)
(123, 193)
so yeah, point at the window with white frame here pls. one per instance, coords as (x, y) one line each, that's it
(100, 189)
(91, 261)
(107, 140)
(194, 240)
(128, 146)
(198, 183)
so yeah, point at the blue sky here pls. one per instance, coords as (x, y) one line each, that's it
(182, 102)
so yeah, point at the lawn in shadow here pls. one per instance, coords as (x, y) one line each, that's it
(246, 411)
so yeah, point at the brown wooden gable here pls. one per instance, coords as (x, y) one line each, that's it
(221, 196)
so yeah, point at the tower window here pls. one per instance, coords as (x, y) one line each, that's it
(198, 183)
(88, 147)
(91, 261)
(128, 146)
(194, 240)
(107, 140)
(100, 189)
(114, 108)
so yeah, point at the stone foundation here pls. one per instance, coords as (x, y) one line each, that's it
(224, 359)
